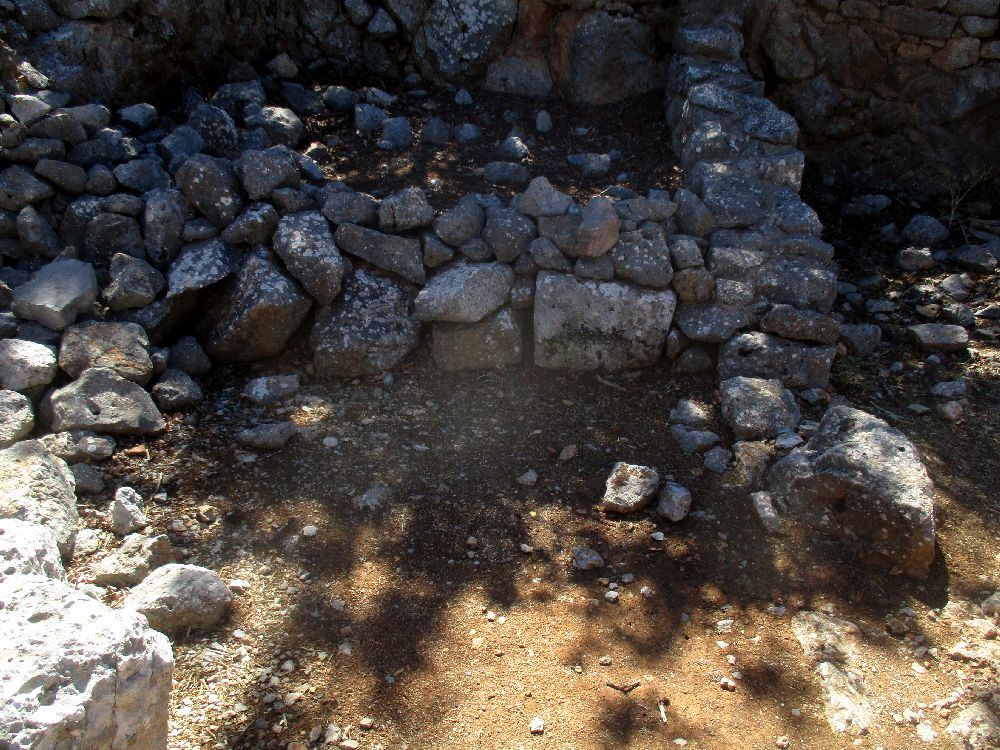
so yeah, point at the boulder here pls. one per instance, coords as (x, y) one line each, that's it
(56, 294)
(104, 401)
(494, 342)
(76, 673)
(461, 223)
(368, 330)
(20, 188)
(465, 293)
(457, 44)
(398, 255)
(177, 598)
(591, 325)
(163, 224)
(258, 314)
(304, 242)
(29, 549)
(610, 58)
(508, 233)
(939, 337)
(261, 172)
(629, 488)
(349, 207)
(863, 482)
(643, 256)
(254, 226)
(121, 347)
(755, 408)
(37, 487)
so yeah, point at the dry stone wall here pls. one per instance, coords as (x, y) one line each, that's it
(770, 269)
(904, 93)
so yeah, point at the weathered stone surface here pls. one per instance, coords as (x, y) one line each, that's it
(176, 391)
(976, 727)
(39, 488)
(28, 549)
(175, 598)
(756, 408)
(643, 256)
(254, 226)
(541, 199)
(939, 337)
(103, 401)
(78, 674)
(611, 58)
(829, 643)
(163, 224)
(494, 342)
(304, 242)
(25, 366)
(200, 265)
(349, 207)
(121, 347)
(456, 45)
(132, 561)
(629, 488)
(465, 293)
(127, 515)
(863, 482)
(761, 355)
(404, 210)
(37, 235)
(398, 255)
(674, 503)
(16, 418)
(56, 294)
(258, 313)
(368, 330)
(134, 283)
(802, 325)
(711, 322)
(20, 188)
(861, 338)
(508, 233)
(261, 172)
(210, 186)
(461, 223)
(78, 446)
(599, 326)
(267, 437)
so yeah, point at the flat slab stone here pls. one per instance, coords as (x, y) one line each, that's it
(58, 293)
(103, 401)
(72, 667)
(398, 255)
(938, 337)
(37, 487)
(465, 293)
(590, 325)
(863, 482)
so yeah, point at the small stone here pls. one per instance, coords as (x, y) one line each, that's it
(675, 503)
(268, 437)
(126, 512)
(938, 337)
(543, 122)
(537, 725)
(950, 411)
(585, 558)
(374, 497)
(629, 488)
(528, 478)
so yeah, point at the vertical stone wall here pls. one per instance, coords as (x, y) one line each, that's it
(772, 271)
(888, 92)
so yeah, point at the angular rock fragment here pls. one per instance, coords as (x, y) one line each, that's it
(16, 418)
(29, 549)
(399, 255)
(304, 242)
(26, 366)
(465, 293)
(57, 294)
(121, 347)
(755, 408)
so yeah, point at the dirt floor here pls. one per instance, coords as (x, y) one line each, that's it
(452, 617)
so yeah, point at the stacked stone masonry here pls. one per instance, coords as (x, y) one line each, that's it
(904, 93)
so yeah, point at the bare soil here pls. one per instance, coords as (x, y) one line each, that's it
(443, 641)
